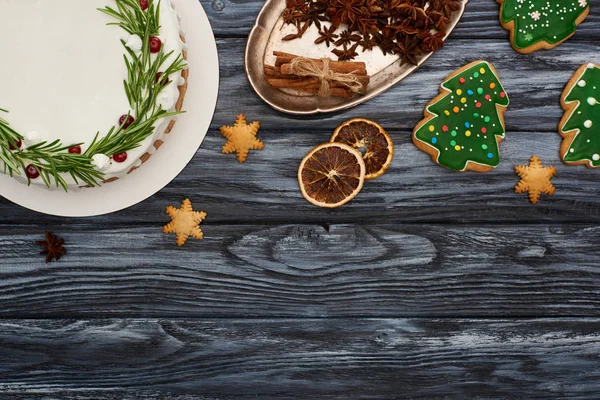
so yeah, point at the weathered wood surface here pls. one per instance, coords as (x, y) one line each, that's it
(274, 359)
(307, 271)
(420, 242)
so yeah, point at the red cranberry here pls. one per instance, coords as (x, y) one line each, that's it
(125, 121)
(120, 157)
(155, 44)
(32, 172)
(144, 4)
(164, 81)
(10, 145)
(75, 150)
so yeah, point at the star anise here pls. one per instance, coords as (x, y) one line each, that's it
(314, 14)
(346, 11)
(53, 247)
(385, 40)
(447, 7)
(431, 42)
(439, 20)
(408, 48)
(367, 42)
(409, 10)
(406, 27)
(290, 16)
(364, 25)
(346, 54)
(347, 38)
(327, 35)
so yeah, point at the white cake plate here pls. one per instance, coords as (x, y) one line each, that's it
(167, 162)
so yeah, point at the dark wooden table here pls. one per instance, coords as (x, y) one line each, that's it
(431, 284)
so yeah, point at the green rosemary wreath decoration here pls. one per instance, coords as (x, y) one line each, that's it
(142, 90)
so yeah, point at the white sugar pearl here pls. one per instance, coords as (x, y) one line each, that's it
(588, 124)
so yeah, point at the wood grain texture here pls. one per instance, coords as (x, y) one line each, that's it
(479, 21)
(307, 271)
(414, 189)
(420, 242)
(276, 359)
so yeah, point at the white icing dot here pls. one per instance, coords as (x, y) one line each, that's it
(596, 157)
(572, 151)
(581, 83)
(592, 101)
(588, 124)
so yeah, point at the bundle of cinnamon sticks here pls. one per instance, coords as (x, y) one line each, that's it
(282, 76)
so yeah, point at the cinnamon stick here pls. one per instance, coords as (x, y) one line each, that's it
(343, 67)
(281, 76)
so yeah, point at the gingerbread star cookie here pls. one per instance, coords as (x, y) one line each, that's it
(241, 138)
(185, 222)
(535, 179)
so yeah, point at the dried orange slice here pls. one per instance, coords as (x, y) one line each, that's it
(371, 140)
(331, 175)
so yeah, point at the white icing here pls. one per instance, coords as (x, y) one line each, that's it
(135, 44)
(588, 123)
(101, 162)
(582, 83)
(62, 72)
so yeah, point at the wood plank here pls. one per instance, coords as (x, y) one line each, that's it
(276, 359)
(414, 190)
(479, 21)
(305, 271)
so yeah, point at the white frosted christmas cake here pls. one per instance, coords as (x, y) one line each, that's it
(88, 88)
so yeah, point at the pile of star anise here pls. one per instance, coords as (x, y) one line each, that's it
(407, 28)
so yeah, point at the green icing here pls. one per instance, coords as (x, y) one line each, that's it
(585, 118)
(475, 138)
(542, 20)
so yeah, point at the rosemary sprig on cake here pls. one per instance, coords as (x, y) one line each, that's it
(147, 76)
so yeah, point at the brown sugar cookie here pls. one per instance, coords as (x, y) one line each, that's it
(535, 179)
(241, 138)
(185, 222)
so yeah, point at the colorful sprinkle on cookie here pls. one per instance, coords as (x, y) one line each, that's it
(241, 138)
(580, 126)
(541, 24)
(466, 138)
(535, 179)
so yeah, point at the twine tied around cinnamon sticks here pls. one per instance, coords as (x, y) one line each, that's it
(302, 66)
(321, 77)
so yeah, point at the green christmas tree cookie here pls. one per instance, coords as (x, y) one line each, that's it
(541, 24)
(580, 126)
(464, 124)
